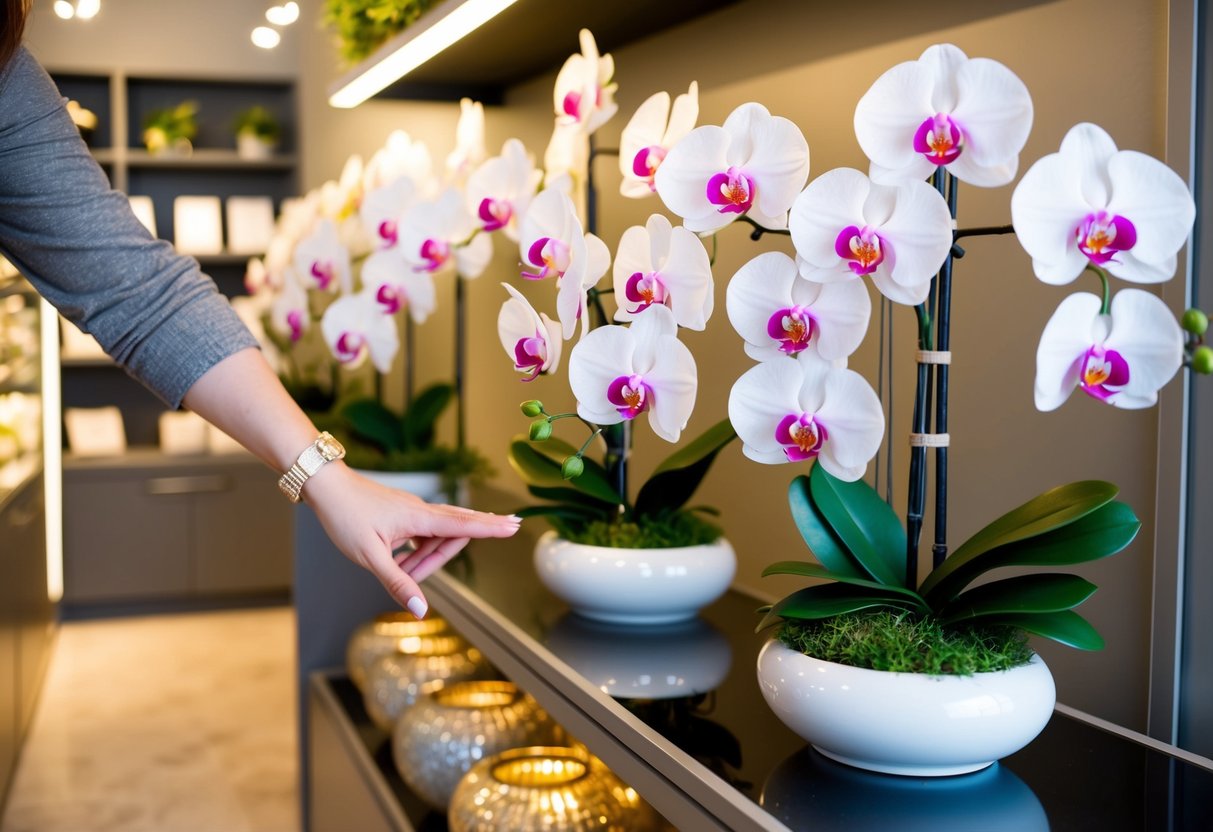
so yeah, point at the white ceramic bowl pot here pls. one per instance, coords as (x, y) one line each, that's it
(635, 586)
(906, 723)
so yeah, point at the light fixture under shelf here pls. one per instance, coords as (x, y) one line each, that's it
(438, 29)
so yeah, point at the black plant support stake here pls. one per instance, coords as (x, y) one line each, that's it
(460, 361)
(940, 550)
(410, 361)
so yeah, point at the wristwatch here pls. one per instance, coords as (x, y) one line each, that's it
(324, 449)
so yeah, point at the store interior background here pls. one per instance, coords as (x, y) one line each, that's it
(1083, 60)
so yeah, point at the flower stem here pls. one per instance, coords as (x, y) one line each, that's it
(759, 230)
(712, 259)
(1106, 306)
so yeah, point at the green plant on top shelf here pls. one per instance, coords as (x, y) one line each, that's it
(172, 128)
(361, 26)
(259, 122)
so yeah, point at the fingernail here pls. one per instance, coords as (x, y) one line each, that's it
(417, 606)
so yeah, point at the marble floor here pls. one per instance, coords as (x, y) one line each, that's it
(177, 723)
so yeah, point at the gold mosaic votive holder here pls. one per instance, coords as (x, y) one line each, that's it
(420, 664)
(381, 636)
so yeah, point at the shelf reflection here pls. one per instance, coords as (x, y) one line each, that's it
(808, 791)
(652, 662)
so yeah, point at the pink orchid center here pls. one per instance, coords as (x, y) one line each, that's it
(940, 139)
(349, 347)
(435, 253)
(495, 213)
(324, 272)
(294, 322)
(1102, 372)
(572, 105)
(530, 355)
(550, 256)
(862, 248)
(1101, 236)
(792, 327)
(645, 289)
(390, 298)
(732, 190)
(801, 436)
(388, 232)
(631, 395)
(647, 161)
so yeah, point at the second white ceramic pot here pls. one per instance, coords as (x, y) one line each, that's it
(635, 586)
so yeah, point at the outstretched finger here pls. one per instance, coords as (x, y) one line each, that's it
(438, 558)
(452, 521)
(399, 583)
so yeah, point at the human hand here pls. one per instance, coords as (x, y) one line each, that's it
(368, 522)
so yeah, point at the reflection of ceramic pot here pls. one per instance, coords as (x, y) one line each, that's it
(906, 723)
(635, 586)
(425, 664)
(809, 792)
(383, 635)
(663, 661)
(549, 789)
(448, 731)
(253, 147)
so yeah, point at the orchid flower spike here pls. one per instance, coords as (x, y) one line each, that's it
(531, 338)
(619, 372)
(289, 315)
(469, 141)
(501, 189)
(847, 227)
(1091, 204)
(1123, 358)
(438, 236)
(396, 285)
(322, 261)
(654, 129)
(659, 265)
(754, 165)
(401, 156)
(778, 312)
(585, 91)
(354, 327)
(383, 208)
(567, 154)
(553, 245)
(801, 409)
(969, 115)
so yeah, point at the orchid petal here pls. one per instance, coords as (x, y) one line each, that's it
(896, 292)
(886, 117)
(1157, 201)
(675, 380)
(830, 203)
(354, 327)
(687, 273)
(995, 108)
(471, 260)
(852, 414)
(1146, 333)
(1068, 334)
(599, 358)
(919, 231)
(681, 180)
(779, 164)
(683, 116)
(759, 399)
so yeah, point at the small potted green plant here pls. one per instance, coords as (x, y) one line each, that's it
(257, 133)
(171, 130)
(362, 26)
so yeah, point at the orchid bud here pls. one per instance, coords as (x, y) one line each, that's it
(541, 429)
(1195, 321)
(572, 468)
(1202, 361)
(533, 407)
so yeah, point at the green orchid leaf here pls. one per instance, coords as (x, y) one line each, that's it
(823, 543)
(536, 469)
(370, 421)
(677, 478)
(1051, 592)
(1066, 627)
(829, 600)
(417, 425)
(865, 524)
(572, 496)
(557, 450)
(562, 511)
(1099, 534)
(814, 570)
(1051, 510)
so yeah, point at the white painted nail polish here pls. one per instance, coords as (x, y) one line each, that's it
(417, 606)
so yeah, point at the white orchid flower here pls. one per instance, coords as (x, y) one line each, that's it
(469, 141)
(659, 265)
(778, 312)
(530, 338)
(289, 315)
(501, 189)
(619, 372)
(340, 199)
(646, 141)
(754, 165)
(553, 245)
(355, 327)
(434, 237)
(382, 209)
(1123, 358)
(847, 227)
(804, 408)
(1091, 203)
(584, 95)
(322, 260)
(396, 285)
(401, 156)
(969, 115)
(567, 154)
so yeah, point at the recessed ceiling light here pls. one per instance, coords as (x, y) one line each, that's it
(87, 9)
(64, 9)
(283, 15)
(265, 37)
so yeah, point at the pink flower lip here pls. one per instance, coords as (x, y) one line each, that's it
(940, 139)
(630, 395)
(647, 161)
(324, 273)
(495, 213)
(1101, 236)
(732, 190)
(1102, 373)
(530, 354)
(793, 327)
(349, 346)
(388, 232)
(435, 253)
(550, 256)
(863, 248)
(389, 298)
(645, 289)
(294, 320)
(801, 436)
(572, 105)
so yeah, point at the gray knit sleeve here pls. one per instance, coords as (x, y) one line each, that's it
(81, 246)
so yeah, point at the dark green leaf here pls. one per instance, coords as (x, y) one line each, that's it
(676, 479)
(813, 570)
(564, 511)
(536, 469)
(370, 421)
(558, 450)
(829, 600)
(573, 497)
(1051, 510)
(1024, 594)
(417, 426)
(818, 536)
(1098, 534)
(865, 524)
(1066, 627)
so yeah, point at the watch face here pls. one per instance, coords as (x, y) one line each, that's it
(329, 447)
